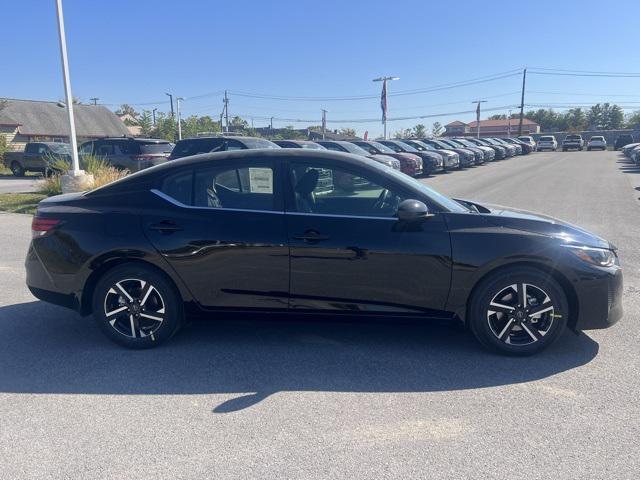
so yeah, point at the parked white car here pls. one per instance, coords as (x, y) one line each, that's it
(547, 142)
(597, 143)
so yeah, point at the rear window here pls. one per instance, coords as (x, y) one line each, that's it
(574, 137)
(194, 146)
(597, 138)
(154, 148)
(258, 143)
(547, 139)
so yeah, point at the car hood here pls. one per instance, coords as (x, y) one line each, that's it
(538, 223)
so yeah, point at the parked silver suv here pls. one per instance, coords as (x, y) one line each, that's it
(127, 152)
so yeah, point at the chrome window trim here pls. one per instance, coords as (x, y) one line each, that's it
(175, 202)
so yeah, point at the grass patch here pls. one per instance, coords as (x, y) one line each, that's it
(20, 202)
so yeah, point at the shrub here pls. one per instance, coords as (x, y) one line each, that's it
(101, 170)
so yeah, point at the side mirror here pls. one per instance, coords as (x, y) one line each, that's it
(412, 211)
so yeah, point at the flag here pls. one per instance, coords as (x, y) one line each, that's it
(478, 113)
(366, 135)
(383, 101)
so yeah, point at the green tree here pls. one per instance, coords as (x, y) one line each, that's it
(420, 131)
(348, 132)
(145, 122)
(126, 109)
(437, 129)
(405, 133)
(193, 125)
(633, 120)
(498, 116)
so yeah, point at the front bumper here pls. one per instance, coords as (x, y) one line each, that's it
(599, 299)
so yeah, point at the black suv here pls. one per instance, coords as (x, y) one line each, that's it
(128, 153)
(622, 140)
(194, 146)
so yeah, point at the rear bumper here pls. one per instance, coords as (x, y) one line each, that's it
(42, 286)
(600, 300)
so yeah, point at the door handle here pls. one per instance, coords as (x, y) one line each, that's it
(311, 236)
(165, 226)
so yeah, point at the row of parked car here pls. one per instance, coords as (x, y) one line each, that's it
(415, 157)
(576, 142)
(632, 152)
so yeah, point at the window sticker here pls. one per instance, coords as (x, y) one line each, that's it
(261, 180)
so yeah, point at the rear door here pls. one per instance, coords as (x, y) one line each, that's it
(221, 226)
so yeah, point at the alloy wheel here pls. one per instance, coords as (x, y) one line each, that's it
(134, 308)
(521, 314)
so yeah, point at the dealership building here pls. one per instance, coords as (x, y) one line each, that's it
(491, 128)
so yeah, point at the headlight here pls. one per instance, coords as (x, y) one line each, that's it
(600, 257)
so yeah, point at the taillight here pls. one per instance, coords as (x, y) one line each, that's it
(41, 225)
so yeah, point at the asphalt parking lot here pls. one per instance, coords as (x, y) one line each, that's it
(257, 399)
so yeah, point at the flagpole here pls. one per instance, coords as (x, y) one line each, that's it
(383, 100)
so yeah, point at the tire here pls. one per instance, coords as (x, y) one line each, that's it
(148, 308)
(515, 331)
(17, 169)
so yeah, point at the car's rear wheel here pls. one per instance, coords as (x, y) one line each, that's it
(136, 306)
(17, 169)
(518, 311)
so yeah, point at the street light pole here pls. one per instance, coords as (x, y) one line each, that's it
(170, 100)
(478, 116)
(383, 99)
(324, 122)
(153, 112)
(75, 165)
(178, 117)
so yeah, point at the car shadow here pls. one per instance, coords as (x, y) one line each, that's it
(47, 349)
(628, 166)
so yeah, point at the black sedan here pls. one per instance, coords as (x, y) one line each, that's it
(305, 232)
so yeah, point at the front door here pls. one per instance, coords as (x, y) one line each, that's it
(350, 253)
(221, 226)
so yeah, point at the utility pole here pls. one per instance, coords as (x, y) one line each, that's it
(478, 116)
(171, 100)
(271, 126)
(178, 117)
(94, 100)
(153, 112)
(383, 99)
(324, 122)
(509, 127)
(524, 82)
(226, 112)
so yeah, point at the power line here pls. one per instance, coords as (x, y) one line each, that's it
(584, 71)
(447, 86)
(585, 94)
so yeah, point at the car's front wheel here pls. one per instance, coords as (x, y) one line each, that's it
(136, 306)
(519, 311)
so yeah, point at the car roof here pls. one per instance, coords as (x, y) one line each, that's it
(149, 174)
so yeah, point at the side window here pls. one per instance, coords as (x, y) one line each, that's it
(104, 149)
(86, 148)
(249, 187)
(368, 148)
(42, 149)
(31, 148)
(335, 191)
(234, 145)
(128, 148)
(179, 187)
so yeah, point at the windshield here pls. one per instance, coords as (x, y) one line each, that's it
(258, 143)
(417, 145)
(60, 148)
(355, 149)
(312, 146)
(381, 147)
(405, 146)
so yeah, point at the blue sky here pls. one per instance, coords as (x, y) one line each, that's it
(135, 51)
